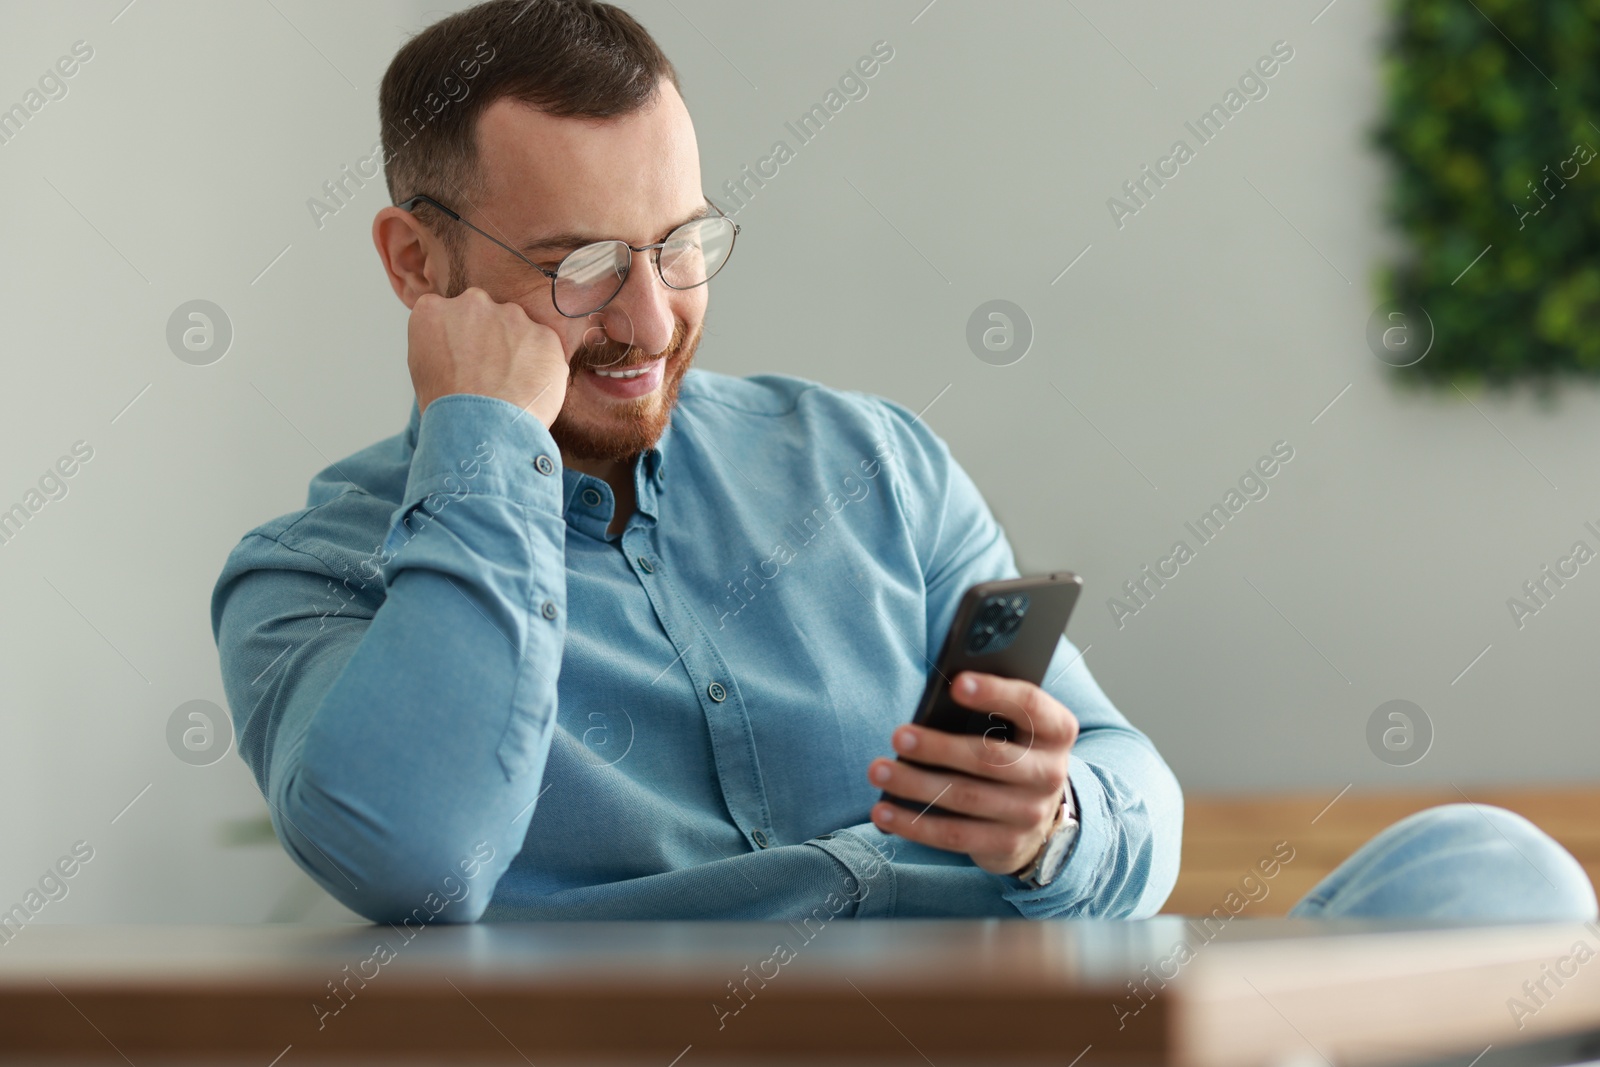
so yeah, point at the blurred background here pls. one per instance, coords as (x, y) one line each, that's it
(1349, 635)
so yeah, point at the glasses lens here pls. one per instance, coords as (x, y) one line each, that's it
(590, 276)
(695, 252)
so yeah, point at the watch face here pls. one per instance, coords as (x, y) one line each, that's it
(1055, 855)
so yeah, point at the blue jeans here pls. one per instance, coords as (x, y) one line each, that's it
(1468, 862)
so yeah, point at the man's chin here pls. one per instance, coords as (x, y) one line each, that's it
(600, 427)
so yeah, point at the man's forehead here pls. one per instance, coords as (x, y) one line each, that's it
(637, 169)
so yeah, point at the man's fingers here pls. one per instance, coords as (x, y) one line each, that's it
(983, 799)
(976, 837)
(1042, 731)
(1011, 788)
(999, 848)
(1037, 714)
(988, 755)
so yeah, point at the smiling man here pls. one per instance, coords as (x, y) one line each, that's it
(600, 635)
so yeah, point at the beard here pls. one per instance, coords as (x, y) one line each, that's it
(628, 427)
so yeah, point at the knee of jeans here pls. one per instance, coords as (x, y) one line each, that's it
(1569, 894)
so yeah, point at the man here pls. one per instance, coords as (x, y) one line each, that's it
(601, 636)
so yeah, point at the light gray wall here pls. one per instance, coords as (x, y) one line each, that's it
(1222, 318)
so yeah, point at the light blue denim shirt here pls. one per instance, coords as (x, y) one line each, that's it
(460, 696)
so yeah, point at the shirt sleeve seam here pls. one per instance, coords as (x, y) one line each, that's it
(883, 411)
(277, 539)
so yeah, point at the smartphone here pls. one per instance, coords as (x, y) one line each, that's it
(1010, 628)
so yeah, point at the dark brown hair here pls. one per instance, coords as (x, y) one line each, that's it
(569, 58)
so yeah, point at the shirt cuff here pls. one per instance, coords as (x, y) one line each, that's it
(472, 444)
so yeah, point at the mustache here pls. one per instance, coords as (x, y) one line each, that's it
(616, 355)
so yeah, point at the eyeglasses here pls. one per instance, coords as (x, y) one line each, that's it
(591, 276)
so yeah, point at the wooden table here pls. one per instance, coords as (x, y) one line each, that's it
(938, 992)
(1224, 835)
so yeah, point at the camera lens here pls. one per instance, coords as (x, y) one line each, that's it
(996, 621)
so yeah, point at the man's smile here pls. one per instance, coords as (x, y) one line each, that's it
(630, 382)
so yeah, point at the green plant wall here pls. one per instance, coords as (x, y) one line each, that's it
(1491, 128)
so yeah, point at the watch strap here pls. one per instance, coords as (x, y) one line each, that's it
(1066, 813)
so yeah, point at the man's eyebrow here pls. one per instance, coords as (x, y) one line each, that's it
(558, 241)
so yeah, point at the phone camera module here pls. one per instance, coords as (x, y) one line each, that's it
(996, 624)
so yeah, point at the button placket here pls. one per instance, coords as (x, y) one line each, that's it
(733, 743)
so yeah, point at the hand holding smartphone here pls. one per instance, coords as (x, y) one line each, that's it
(1009, 628)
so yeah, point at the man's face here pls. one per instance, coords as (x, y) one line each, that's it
(632, 178)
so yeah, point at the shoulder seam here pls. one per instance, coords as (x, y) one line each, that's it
(291, 548)
(307, 511)
(883, 413)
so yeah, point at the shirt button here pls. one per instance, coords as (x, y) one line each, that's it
(591, 497)
(543, 465)
(760, 838)
(716, 692)
(646, 566)
(549, 609)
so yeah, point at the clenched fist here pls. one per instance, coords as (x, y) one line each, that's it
(471, 344)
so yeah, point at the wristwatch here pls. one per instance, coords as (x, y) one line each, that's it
(1052, 855)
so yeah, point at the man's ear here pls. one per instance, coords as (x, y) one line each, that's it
(413, 258)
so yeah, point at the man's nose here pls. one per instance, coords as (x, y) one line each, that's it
(641, 312)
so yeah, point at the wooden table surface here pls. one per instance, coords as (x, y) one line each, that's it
(943, 992)
(1225, 835)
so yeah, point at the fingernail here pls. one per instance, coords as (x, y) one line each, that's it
(880, 773)
(885, 814)
(905, 740)
(969, 684)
